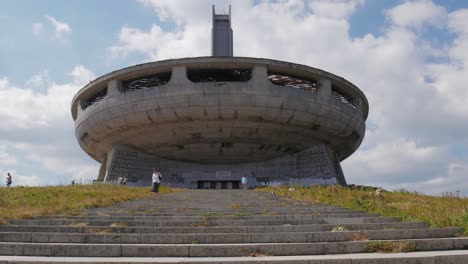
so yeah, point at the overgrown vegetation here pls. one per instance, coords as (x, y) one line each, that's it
(29, 202)
(236, 206)
(446, 211)
(390, 246)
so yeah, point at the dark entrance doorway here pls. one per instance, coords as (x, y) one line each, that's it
(218, 184)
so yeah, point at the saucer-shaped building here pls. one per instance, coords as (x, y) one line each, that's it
(205, 122)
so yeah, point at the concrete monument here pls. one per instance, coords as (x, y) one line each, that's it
(205, 122)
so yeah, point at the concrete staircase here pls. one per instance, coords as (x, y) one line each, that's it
(223, 226)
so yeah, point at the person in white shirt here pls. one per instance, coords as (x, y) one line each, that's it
(244, 182)
(156, 179)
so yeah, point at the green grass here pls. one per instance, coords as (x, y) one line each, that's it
(437, 211)
(29, 202)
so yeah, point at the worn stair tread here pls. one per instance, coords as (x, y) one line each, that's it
(226, 238)
(429, 257)
(213, 226)
(213, 250)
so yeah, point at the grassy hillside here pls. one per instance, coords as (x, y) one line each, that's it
(28, 202)
(437, 211)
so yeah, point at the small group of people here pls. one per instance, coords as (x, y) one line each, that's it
(122, 180)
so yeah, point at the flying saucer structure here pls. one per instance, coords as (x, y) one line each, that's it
(205, 122)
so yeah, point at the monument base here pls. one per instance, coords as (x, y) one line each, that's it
(316, 165)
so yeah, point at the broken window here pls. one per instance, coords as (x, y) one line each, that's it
(94, 99)
(219, 75)
(148, 81)
(340, 96)
(293, 81)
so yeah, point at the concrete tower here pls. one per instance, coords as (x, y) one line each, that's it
(205, 122)
(221, 35)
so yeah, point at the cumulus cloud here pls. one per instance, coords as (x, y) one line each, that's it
(49, 157)
(81, 75)
(37, 127)
(32, 108)
(6, 159)
(393, 162)
(336, 8)
(61, 29)
(458, 21)
(417, 13)
(20, 179)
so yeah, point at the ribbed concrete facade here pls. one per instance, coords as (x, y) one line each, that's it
(207, 121)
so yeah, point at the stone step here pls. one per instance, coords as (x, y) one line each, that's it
(215, 210)
(215, 224)
(235, 222)
(208, 229)
(213, 250)
(188, 213)
(226, 238)
(433, 257)
(239, 215)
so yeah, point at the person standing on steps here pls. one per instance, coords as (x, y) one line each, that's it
(8, 180)
(157, 177)
(244, 182)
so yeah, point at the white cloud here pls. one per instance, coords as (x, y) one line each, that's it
(37, 28)
(21, 180)
(335, 8)
(62, 29)
(182, 11)
(6, 159)
(81, 75)
(39, 79)
(396, 161)
(49, 156)
(37, 127)
(417, 13)
(28, 108)
(458, 21)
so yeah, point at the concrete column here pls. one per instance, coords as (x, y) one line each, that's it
(102, 169)
(179, 75)
(324, 90)
(113, 87)
(108, 163)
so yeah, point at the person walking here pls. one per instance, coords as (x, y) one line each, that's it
(8, 180)
(244, 182)
(156, 179)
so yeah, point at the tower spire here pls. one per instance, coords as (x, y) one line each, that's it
(221, 36)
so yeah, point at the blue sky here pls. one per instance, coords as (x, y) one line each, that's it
(407, 56)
